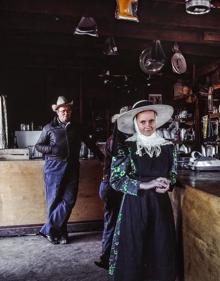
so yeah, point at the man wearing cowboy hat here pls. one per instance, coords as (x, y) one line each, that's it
(60, 143)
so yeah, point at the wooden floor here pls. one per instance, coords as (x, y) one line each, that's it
(33, 258)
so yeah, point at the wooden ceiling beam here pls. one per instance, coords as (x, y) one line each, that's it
(76, 8)
(68, 44)
(200, 50)
(211, 37)
(107, 28)
(206, 69)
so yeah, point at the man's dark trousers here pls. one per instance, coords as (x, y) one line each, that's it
(61, 188)
(112, 201)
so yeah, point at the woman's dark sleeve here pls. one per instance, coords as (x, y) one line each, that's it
(122, 173)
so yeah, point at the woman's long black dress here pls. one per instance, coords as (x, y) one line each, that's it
(144, 244)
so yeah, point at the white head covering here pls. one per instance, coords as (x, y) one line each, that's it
(150, 145)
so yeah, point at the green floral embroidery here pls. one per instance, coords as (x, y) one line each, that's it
(173, 171)
(121, 179)
(115, 241)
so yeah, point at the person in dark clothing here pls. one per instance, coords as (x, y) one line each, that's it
(60, 143)
(144, 170)
(110, 197)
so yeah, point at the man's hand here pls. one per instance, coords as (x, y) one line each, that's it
(54, 149)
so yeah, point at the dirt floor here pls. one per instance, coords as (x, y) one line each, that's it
(33, 258)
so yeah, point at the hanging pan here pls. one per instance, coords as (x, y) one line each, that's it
(178, 61)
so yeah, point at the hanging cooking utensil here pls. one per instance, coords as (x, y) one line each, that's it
(110, 48)
(178, 61)
(152, 60)
(86, 26)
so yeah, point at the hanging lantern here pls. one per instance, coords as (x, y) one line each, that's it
(198, 7)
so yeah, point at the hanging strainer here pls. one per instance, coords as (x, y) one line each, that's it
(152, 60)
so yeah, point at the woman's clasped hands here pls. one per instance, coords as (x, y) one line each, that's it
(161, 185)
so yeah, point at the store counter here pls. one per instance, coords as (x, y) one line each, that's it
(196, 203)
(22, 200)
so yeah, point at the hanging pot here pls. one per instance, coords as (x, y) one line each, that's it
(178, 61)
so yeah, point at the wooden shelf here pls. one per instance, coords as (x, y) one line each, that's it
(214, 116)
(210, 142)
(184, 142)
(187, 122)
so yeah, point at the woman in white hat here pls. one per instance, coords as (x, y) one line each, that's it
(144, 247)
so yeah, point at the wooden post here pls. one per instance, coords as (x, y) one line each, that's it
(81, 96)
(196, 115)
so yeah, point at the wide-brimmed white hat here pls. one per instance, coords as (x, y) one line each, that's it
(61, 101)
(116, 116)
(126, 120)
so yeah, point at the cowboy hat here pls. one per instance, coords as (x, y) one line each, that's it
(126, 120)
(122, 110)
(61, 101)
